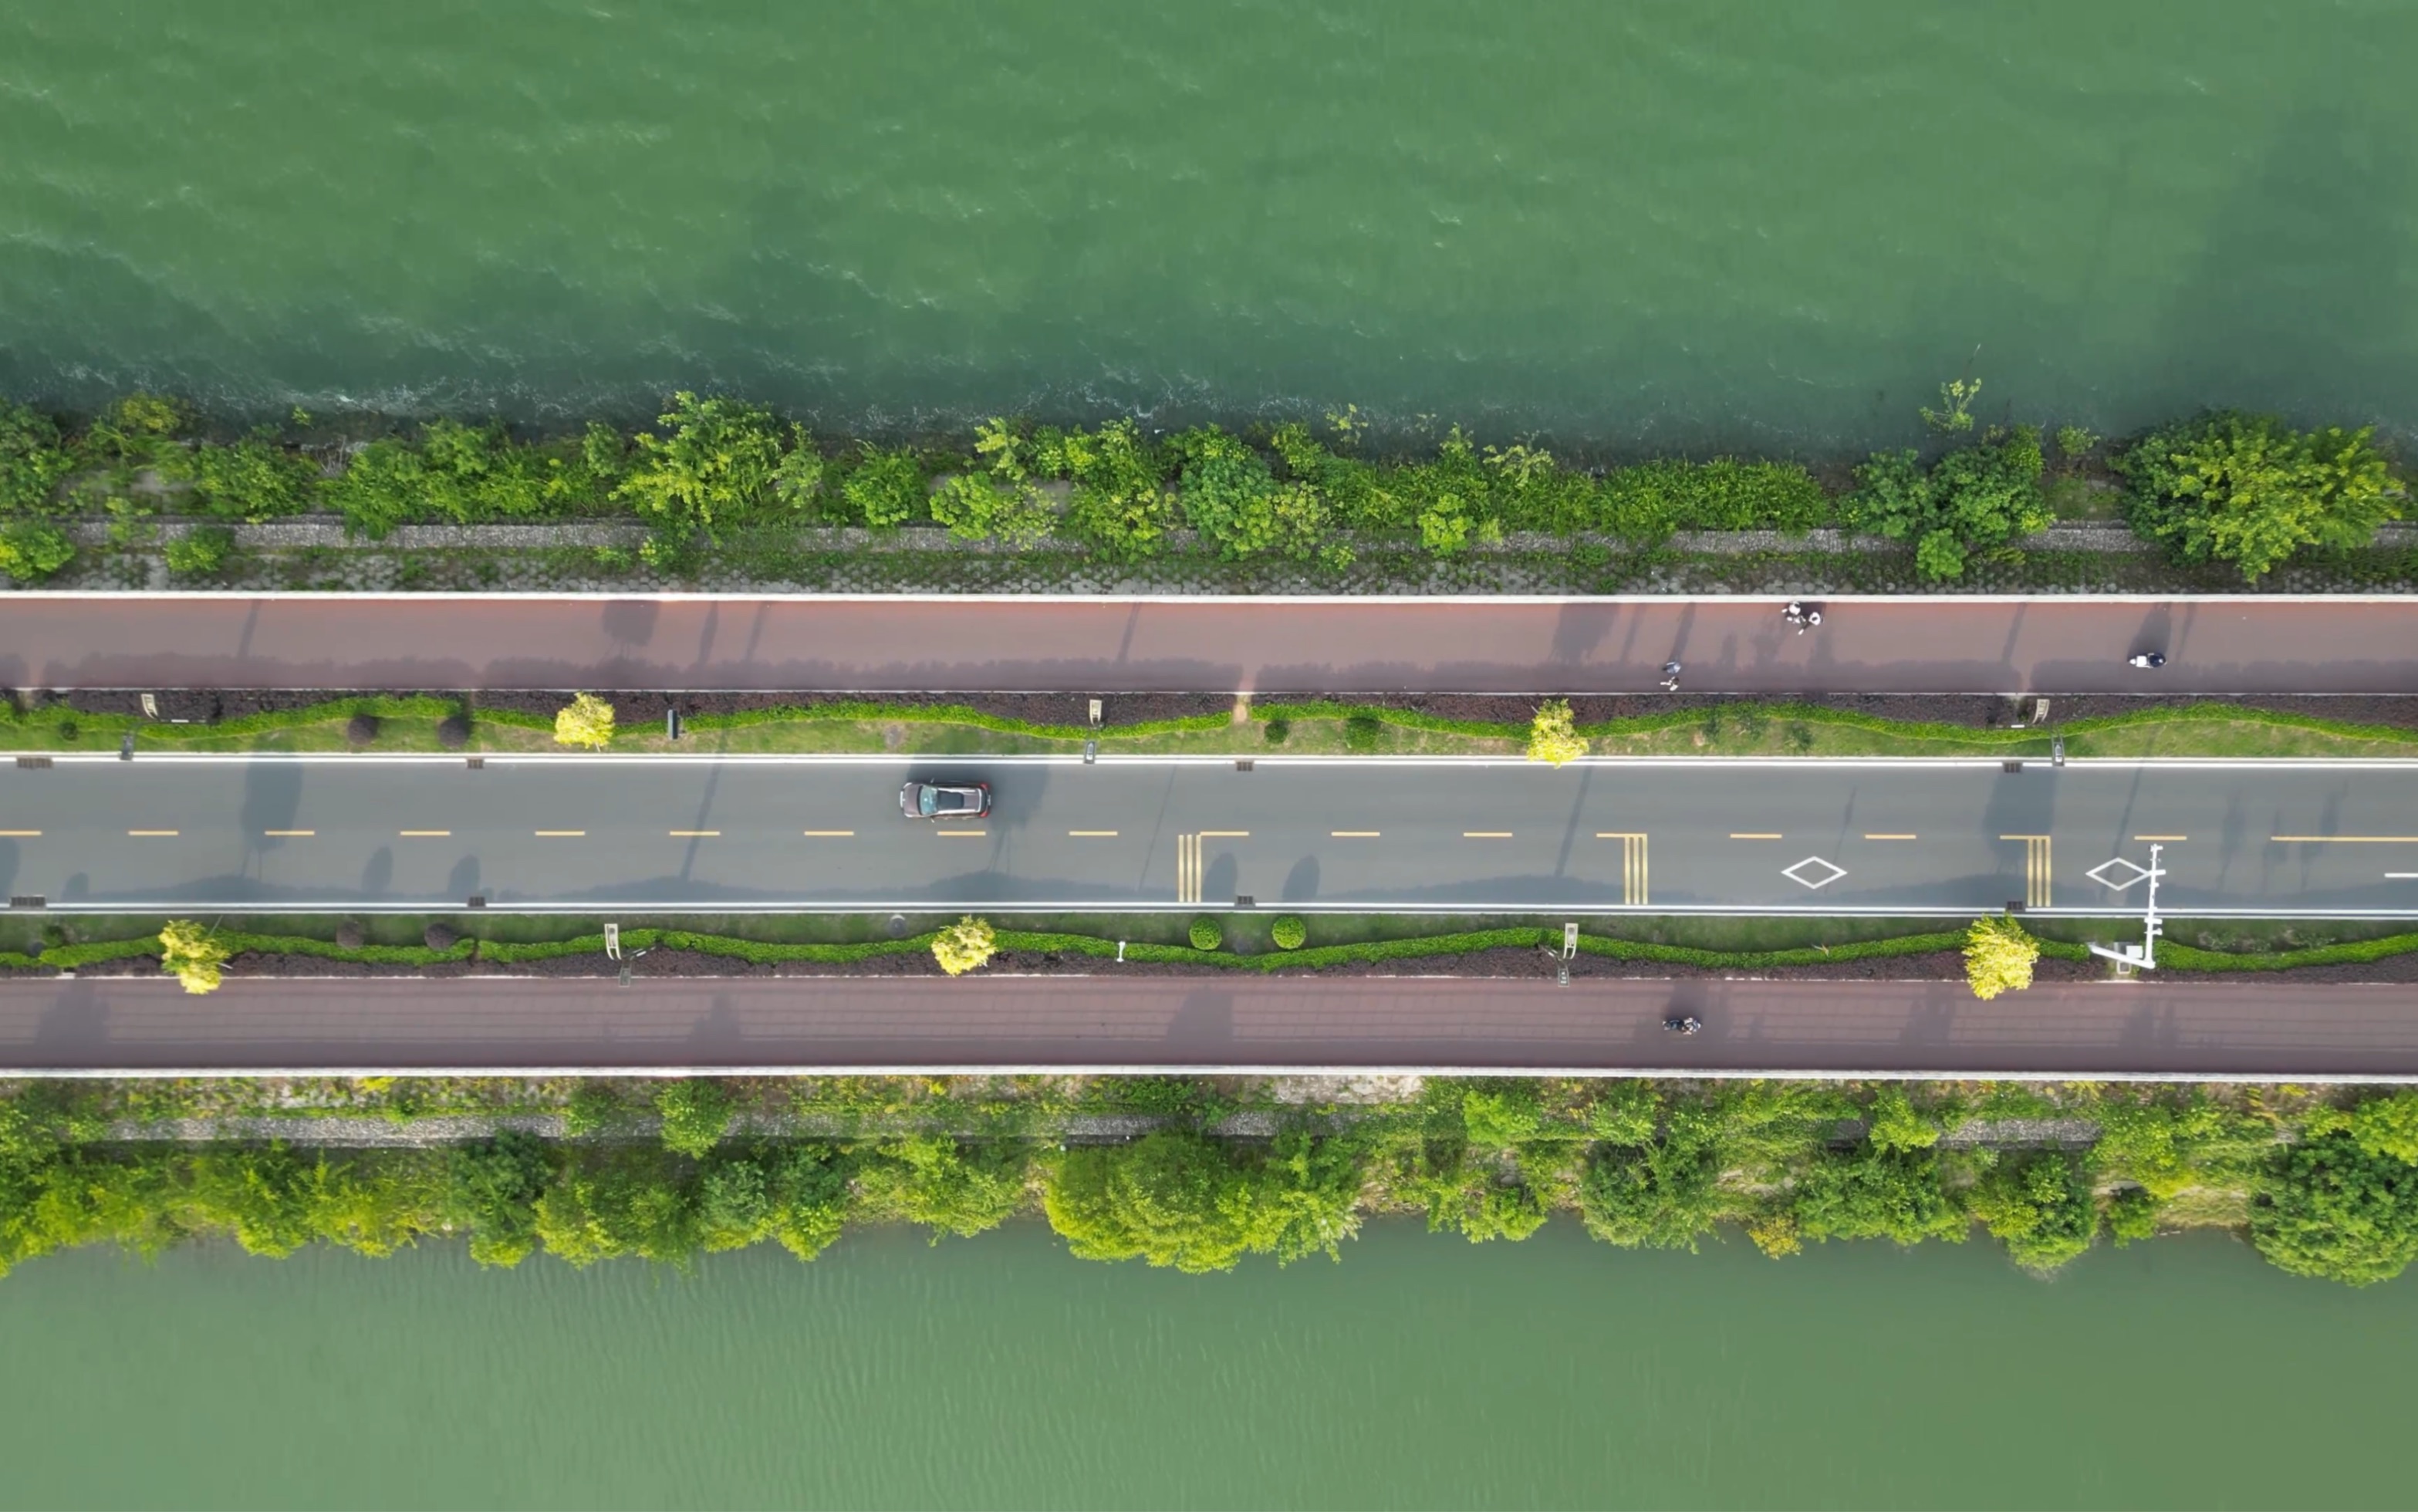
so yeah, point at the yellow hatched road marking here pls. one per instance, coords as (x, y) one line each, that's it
(2037, 869)
(1633, 891)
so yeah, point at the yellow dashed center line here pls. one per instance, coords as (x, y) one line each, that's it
(289, 834)
(2345, 839)
(695, 834)
(1889, 837)
(830, 834)
(1091, 835)
(2168, 837)
(1352, 834)
(562, 835)
(1739, 834)
(1485, 834)
(425, 834)
(152, 835)
(961, 835)
(21, 834)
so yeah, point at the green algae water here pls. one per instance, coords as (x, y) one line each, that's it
(1615, 223)
(998, 1372)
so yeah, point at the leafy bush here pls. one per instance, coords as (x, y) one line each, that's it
(1649, 501)
(965, 945)
(2038, 1205)
(2333, 1211)
(979, 508)
(1553, 736)
(585, 721)
(1206, 933)
(1999, 957)
(189, 954)
(33, 460)
(1976, 499)
(1277, 731)
(31, 550)
(886, 488)
(1120, 506)
(2250, 490)
(1362, 731)
(696, 1113)
(200, 552)
(1287, 932)
(1234, 500)
(711, 464)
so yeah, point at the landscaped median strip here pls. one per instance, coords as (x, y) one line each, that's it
(2172, 956)
(99, 729)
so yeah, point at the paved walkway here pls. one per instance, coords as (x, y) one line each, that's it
(2263, 1030)
(2214, 645)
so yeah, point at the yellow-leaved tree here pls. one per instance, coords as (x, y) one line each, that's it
(1999, 957)
(964, 945)
(586, 721)
(189, 954)
(1553, 735)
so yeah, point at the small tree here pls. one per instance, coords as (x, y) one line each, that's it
(1553, 735)
(965, 945)
(189, 954)
(1999, 957)
(696, 1113)
(587, 721)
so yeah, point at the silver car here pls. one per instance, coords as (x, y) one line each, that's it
(945, 801)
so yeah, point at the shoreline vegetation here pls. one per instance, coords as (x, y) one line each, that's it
(719, 486)
(40, 721)
(2324, 1185)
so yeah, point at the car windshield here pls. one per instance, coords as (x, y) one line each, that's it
(943, 800)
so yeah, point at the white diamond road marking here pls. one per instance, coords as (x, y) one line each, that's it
(1835, 873)
(2138, 870)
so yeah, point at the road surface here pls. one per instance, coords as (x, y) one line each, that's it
(1268, 646)
(656, 835)
(2262, 1030)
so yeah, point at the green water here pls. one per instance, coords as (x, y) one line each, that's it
(1622, 222)
(1422, 1371)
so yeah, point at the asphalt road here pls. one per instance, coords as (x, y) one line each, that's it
(2051, 645)
(775, 834)
(2264, 1030)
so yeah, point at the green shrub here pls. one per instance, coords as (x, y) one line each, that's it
(1277, 731)
(31, 550)
(252, 481)
(1361, 732)
(886, 488)
(1287, 932)
(696, 1113)
(200, 552)
(712, 464)
(1206, 933)
(2250, 490)
(1976, 499)
(33, 460)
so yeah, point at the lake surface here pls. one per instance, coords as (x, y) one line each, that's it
(1422, 1371)
(1620, 223)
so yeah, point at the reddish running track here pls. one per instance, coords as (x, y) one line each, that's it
(2168, 1029)
(2049, 646)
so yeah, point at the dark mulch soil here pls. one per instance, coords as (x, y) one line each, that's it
(636, 707)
